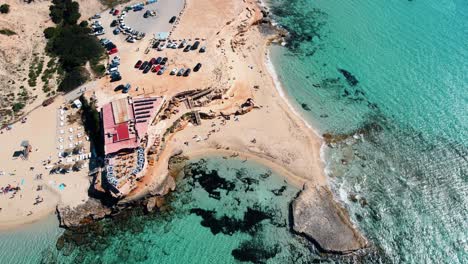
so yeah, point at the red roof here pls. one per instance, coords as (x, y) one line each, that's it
(122, 132)
(118, 136)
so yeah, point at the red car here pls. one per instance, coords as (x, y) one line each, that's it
(153, 61)
(112, 51)
(116, 12)
(157, 68)
(138, 64)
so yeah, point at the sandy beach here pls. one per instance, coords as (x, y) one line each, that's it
(235, 61)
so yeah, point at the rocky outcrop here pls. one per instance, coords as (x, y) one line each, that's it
(83, 214)
(319, 218)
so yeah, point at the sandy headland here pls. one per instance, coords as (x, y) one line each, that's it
(243, 115)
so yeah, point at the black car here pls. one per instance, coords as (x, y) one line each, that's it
(110, 46)
(187, 48)
(116, 78)
(143, 66)
(187, 72)
(158, 60)
(164, 60)
(156, 45)
(119, 87)
(147, 68)
(173, 19)
(195, 45)
(197, 67)
(202, 49)
(114, 23)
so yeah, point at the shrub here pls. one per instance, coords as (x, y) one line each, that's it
(5, 8)
(7, 32)
(17, 107)
(74, 78)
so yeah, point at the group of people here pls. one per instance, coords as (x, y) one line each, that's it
(9, 188)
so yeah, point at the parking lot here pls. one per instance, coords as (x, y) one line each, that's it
(130, 53)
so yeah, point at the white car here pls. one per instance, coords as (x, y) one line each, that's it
(174, 71)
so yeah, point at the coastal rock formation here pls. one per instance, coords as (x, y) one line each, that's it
(83, 214)
(320, 219)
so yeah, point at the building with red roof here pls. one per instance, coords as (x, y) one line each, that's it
(125, 122)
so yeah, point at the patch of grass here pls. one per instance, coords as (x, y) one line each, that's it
(7, 32)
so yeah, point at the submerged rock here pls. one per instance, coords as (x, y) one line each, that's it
(351, 79)
(320, 219)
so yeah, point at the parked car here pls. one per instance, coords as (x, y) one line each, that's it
(143, 66)
(180, 72)
(110, 46)
(115, 78)
(98, 33)
(96, 16)
(147, 68)
(138, 8)
(119, 87)
(156, 68)
(173, 19)
(202, 49)
(187, 72)
(187, 48)
(113, 51)
(138, 64)
(153, 61)
(182, 44)
(114, 23)
(195, 45)
(126, 88)
(116, 12)
(174, 71)
(158, 60)
(156, 45)
(161, 71)
(164, 60)
(197, 67)
(116, 31)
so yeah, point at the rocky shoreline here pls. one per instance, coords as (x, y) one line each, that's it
(314, 214)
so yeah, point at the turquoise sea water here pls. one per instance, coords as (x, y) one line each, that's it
(405, 92)
(403, 178)
(223, 211)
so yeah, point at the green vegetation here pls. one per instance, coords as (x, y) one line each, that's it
(8, 32)
(71, 43)
(35, 69)
(17, 107)
(92, 124)
(5, 8)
